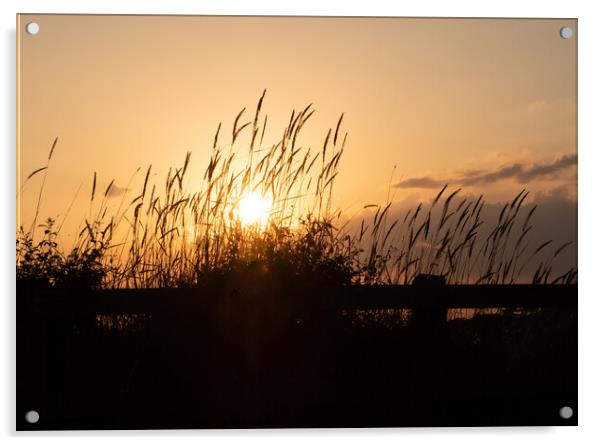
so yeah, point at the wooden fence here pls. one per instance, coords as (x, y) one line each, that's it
(119, 301)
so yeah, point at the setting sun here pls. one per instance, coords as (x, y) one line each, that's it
(254, 209)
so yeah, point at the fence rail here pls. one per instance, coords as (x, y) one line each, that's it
(117, 301)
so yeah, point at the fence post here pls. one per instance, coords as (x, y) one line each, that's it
(428, 323)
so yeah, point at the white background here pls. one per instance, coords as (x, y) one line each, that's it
(590, 218)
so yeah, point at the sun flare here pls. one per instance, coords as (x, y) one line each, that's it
(254, 209)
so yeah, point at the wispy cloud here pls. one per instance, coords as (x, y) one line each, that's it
(423, 183)
(520, 172)
(114, 190)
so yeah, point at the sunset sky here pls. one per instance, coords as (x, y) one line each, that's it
(487, 105)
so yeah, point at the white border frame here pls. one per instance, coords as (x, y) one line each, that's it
(590, 248)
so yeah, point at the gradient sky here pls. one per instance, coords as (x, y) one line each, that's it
(489, 105)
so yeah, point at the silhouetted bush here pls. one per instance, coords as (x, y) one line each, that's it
(42, 266)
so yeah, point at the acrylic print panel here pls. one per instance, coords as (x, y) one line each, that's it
(296, 222)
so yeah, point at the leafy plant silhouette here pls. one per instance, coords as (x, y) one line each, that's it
(41, 265)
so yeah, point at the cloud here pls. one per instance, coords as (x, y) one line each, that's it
(424, 183)
(502, 173)
(114, 190)
(548, 169)
(520, 172)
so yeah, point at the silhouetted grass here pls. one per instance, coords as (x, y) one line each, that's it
(178, 236)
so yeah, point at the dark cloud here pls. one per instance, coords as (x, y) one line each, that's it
(522, 173)
(487, 178)
(548, 169)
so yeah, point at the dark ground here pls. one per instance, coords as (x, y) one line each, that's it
(271, 359)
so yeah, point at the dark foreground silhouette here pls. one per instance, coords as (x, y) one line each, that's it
(260, 356)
